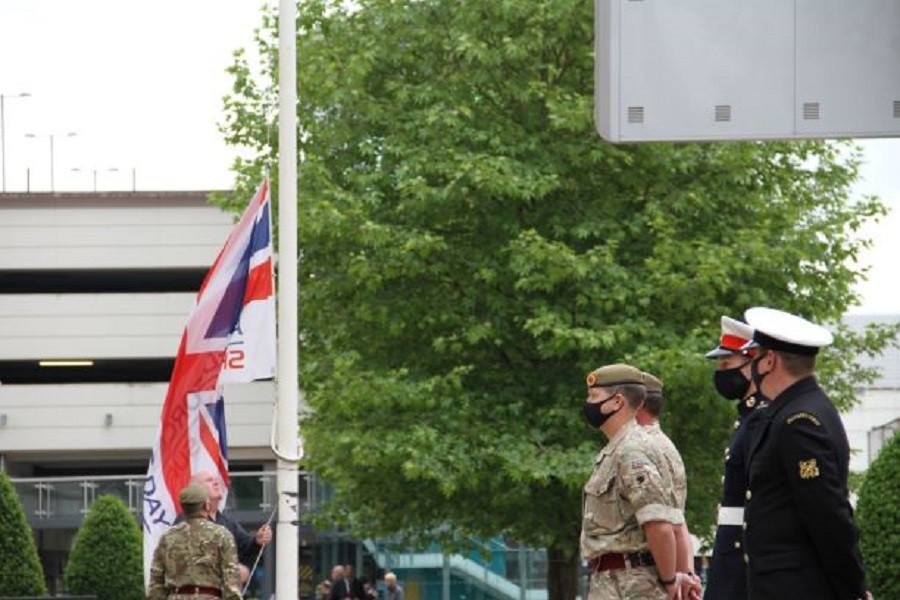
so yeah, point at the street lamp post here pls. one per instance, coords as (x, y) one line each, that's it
(3, 98)
(94, 170)
(51, 136)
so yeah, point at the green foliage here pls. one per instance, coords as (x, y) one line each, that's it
(878, 516)
(106, 559)
(471, 249)
(21, 573)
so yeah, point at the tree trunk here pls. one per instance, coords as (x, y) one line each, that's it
(563, 573)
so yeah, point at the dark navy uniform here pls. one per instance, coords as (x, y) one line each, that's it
(801, 541)
(727, 576)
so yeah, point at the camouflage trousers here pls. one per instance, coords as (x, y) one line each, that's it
(637, 583)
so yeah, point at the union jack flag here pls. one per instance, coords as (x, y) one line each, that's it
(229, 338)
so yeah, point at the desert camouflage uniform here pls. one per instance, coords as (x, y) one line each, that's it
(673, 461)
(196, 552)
(626, 490)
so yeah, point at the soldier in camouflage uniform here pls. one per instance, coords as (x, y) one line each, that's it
(630, 510)
(648, 418)
(195, 559)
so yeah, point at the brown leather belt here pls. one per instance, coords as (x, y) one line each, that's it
(619, 560)
(187, 590)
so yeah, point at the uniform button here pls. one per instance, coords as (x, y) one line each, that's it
(737, 544)
(745, 525)
(747, 559)
(723, 479)
(748, 494)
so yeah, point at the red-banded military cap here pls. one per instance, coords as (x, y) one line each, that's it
(778, 330)
(735, 334)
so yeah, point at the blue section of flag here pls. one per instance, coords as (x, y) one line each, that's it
(228, 313)
(259, 238)
(217, 412)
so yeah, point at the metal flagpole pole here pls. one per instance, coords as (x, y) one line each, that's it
(287, 478)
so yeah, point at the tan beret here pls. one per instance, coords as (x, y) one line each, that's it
(612, 375)
(653, 385)
(192, 494)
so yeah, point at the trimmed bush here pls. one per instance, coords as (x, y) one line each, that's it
(106, 555)
(21, 573)
(878, 517)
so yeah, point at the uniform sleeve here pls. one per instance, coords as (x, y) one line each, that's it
(819, 495)
(157, 588)
(643, 488)
(231, 579)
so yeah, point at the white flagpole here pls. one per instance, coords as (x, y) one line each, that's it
(286, 533)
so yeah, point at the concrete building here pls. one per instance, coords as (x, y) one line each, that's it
(877, 415)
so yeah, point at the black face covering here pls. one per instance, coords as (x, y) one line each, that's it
(731, 383)
(591, 412)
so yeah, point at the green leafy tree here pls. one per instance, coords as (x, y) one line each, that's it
(471, 248)
(879, 526)
(106, 559)
(21, 573)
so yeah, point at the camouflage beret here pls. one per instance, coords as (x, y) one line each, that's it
(612, 375)
(653, 385)
(193, 493)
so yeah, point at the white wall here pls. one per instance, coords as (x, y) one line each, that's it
(876, 408)
(75, 231)
(70, 418)
(43, 326)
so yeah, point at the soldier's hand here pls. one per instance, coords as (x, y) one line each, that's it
(691, 587)
(673, 590)
(264, 535)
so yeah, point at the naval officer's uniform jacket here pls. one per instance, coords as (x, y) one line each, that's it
(801, 541)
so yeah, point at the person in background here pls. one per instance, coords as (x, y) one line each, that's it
(339, 588)
(393, 590)
(727, 575)
(648, 417)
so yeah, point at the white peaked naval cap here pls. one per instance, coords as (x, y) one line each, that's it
(778, 330)
(734, 335)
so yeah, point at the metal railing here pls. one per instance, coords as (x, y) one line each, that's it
(53, 497)
(503, 569)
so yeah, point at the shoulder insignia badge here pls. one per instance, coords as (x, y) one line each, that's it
(809, 469)
(803, 415)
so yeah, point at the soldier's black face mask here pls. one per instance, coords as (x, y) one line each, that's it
(592, 414)
(731, 383)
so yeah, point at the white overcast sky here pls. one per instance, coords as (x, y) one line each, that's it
(141, 83)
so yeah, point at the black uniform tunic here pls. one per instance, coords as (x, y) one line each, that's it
(801, 540)
(727, 577)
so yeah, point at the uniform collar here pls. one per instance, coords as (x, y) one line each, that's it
(652, 427)
(615, 440)
(793, 391)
